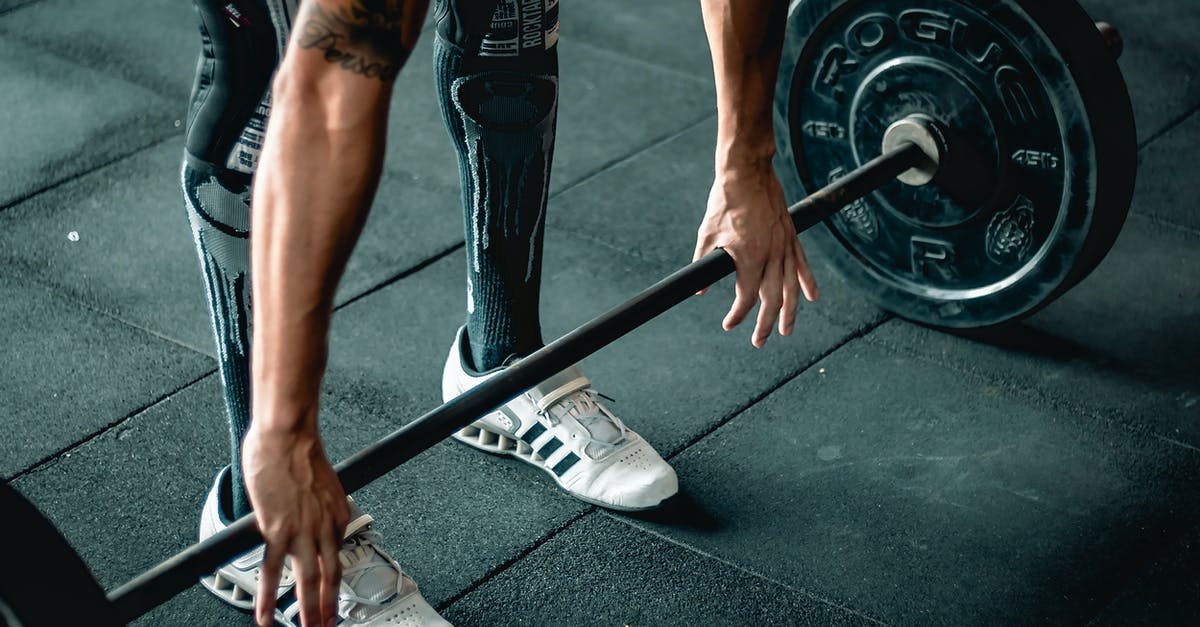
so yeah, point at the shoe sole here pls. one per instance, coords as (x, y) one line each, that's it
(229, 591)
(504, 445)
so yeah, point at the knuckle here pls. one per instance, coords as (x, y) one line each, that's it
(276, 537)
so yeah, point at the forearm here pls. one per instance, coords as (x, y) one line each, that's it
(314, 186)
(320, 165)
(745, 39)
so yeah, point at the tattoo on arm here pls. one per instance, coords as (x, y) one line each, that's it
(367, 37)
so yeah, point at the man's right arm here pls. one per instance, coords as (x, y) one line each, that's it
(320, 165)
(746, 213)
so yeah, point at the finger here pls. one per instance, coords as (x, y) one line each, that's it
(331, 572)
(808, 282)
(268, 584)
(749, 278)
(308, 580)
(772, 298)
(791, 294)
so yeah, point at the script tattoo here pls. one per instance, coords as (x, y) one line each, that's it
(367, 37)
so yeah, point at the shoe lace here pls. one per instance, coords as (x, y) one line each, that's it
(587, 410)
(373, 580)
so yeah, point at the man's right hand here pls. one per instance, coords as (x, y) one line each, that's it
(301, 511)
(748, 217)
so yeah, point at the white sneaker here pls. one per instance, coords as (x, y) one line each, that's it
(562, 427)
(374, 591)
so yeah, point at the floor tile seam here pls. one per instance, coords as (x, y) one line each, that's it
(617, 161)
(401, 275)
(1171, 125)
(1112, 418)
(1166, 223)
(41, 46)
(115, 160)
(1175, 442)
(846, 340)
(504, 566)
(588, 237)
(739, 567)
(158, 90)
(701, 80)
(18, 7)
(53, 458)
(68, 295)
(1042, 400)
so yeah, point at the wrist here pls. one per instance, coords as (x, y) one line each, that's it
(744, 170)
(265, 447)
(282, 419)
(742, 155)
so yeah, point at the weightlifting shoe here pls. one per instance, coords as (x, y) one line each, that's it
(561, 426)
(374, 592)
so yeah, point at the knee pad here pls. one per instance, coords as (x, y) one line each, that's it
(498, 28)
(508, 129)
(241, 43)
(218, 209)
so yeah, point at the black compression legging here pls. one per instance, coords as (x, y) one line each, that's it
(241, 44)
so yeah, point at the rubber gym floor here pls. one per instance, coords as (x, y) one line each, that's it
(866, 470)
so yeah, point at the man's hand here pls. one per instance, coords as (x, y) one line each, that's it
(747, 217)
(746, 212)
(301, 511)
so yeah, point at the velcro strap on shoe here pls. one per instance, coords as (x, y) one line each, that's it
(558, 387)
(359, 520)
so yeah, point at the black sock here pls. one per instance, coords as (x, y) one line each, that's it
(218, 208)
(500, 113)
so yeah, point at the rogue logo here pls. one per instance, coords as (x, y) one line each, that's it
(873, 33)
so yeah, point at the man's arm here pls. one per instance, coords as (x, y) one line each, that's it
(746, 214)
(317, 176)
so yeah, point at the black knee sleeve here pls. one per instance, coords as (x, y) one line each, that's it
(241, 43)
(498, 28)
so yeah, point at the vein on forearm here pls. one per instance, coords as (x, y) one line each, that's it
(745, 37)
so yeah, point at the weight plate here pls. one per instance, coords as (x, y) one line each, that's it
(44, 582)
(1039, 172)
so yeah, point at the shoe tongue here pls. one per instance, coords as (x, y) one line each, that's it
(603, 432)
(368, 575)
(598, 426)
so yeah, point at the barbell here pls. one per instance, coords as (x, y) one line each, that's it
(977, 160)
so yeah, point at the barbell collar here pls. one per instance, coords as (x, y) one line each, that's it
(174, 575)
(923, 131)
(1112, 38)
